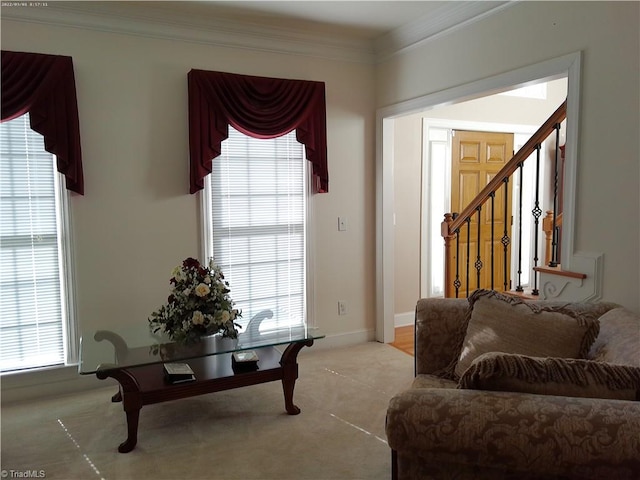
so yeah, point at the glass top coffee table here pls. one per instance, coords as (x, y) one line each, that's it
(136, 359)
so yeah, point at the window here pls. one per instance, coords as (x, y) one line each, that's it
(255, 204)
(438, 189)
(35, 328)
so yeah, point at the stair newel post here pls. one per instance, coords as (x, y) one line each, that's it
(554, 232)
(519, 283)
(478, 263)
(536, 212)
(506, 240)
(448, 237)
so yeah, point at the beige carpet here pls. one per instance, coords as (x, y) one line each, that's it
(239, 434)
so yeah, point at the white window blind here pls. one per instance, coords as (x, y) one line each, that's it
(32, 329)
(257, 232)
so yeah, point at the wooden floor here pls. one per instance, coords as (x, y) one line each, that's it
(404, 339)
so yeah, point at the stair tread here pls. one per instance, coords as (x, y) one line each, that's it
(559, 271)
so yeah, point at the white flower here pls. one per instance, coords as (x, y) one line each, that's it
(186, 292)
(177, 273)
(202, 290)
(207, 280)
(225, 316)
(197, 318)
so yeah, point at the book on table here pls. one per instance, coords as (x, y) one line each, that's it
(178, 373)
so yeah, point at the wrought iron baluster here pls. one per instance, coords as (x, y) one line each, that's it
(519, 283)
(505, 238)
(554, 232)
(468, 252)
(456, 282)
(536, 212)
(493, 229)
(478, 263)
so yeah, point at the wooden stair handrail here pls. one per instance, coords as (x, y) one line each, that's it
(511, 166)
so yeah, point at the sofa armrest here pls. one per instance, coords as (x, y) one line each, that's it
(550, 435)
(438, 328)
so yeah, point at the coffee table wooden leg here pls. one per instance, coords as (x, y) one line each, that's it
(131, 399)
(117, 397)
(287, 386)
(289, 365)
(132, 432)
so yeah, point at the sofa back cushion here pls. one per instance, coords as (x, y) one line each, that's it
(503, 323)
(619, 338)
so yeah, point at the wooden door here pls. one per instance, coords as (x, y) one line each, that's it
(476, 158)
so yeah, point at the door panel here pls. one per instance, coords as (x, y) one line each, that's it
(476, 158)
(469, 186)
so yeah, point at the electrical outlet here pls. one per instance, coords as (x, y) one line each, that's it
(342, 308)
(342, 224)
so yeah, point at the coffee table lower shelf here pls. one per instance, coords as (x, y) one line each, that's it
(145, 385)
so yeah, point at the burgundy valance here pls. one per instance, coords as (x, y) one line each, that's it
(260, 107)
(44, 86)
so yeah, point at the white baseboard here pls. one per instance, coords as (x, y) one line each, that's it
(47, 383)
(404, 319)
(345, 339)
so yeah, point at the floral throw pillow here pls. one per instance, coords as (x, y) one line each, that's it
(503, 323)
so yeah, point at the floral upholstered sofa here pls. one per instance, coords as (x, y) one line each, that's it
(514, 389)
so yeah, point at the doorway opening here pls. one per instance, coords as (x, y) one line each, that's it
(439, 154)
(437, 118)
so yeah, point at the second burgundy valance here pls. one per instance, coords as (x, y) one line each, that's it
(259, 107)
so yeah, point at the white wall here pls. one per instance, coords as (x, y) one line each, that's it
(609, 169)
(137, 219)
(407, 179)
(506, 109)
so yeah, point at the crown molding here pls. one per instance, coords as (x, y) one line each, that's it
(145, 21)
(449, 17)
(284, 37)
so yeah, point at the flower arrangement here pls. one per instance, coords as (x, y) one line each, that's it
(199, 304)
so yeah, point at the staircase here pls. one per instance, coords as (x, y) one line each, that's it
(462, 277)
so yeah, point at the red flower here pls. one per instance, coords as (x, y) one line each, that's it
(191, 263)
